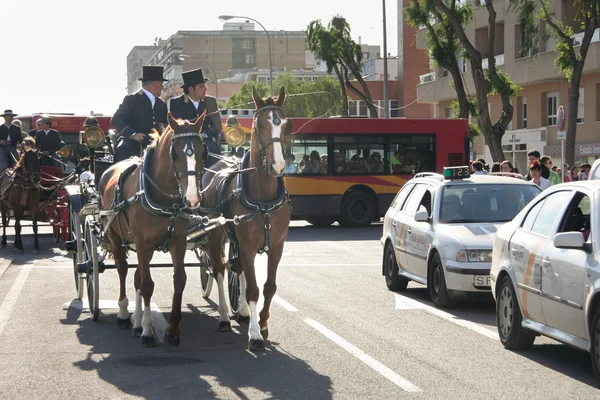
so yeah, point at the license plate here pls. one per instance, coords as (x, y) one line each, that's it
(481, 280)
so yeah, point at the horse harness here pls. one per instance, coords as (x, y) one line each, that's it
(177, 209)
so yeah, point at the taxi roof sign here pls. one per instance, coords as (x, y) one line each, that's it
(456, 172)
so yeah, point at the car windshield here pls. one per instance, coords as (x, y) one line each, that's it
(484, 203)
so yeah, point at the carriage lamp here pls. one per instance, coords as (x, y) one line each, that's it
(93, 137)
(234, 134)
(65, 151)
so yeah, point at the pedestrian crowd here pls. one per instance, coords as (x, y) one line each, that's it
(540, 170)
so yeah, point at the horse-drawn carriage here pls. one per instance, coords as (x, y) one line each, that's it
(34, 191)
(241, 200)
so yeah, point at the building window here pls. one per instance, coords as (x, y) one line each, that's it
(394, 108)
(352, 107)
(362, 108)
(249, 58)
(524, 112)
(551, 108)
(247, 44)
(580, 108)
(237, 59)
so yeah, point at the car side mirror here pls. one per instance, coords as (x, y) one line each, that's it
(422, 215)
(569, 240)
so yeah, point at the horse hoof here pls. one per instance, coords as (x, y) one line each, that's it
(149, 341)
(256, 345)
(224, 326)
(137, 332)
(124, 323)
(264, 333)
(172, 340)
(245, 321)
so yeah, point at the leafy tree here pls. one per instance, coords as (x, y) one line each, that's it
(487, 82)
(334, 46)
(570, 61)
(310, 99)
(446, 52)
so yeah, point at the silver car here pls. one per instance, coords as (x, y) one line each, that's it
(546, 270)
(439, 231)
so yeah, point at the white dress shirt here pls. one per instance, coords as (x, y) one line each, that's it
(150, 96)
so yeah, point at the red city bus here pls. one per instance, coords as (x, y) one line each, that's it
(349, 169)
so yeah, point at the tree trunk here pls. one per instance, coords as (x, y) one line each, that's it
(461, 94)
(571, 127)
(363, 96)
(344, 93)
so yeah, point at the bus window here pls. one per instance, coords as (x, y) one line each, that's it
(310, 154)
(411, 154)
(354, 154)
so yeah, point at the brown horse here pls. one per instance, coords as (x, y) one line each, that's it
(260, 196)
(168, 177)
(20, 191)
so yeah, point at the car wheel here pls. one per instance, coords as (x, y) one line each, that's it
(508, 317)
(436, 284)
(390, 269)
(595, 339)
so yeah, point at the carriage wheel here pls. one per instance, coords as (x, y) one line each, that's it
(234, 291)
(78, 256)
(206, 276)
(91, 249)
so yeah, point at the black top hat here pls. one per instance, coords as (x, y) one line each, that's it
(152, 73)
(8, 112)
(193, 77)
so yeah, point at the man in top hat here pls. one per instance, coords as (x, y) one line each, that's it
(48, 142)
(139, 114)
(10, 137)
(192, 103)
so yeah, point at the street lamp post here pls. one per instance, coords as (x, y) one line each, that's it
(228, 17)
(183, 57)
(385, 70)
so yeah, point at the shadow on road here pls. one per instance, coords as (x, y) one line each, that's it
(311, 233)
(566, 360)
(206, 360)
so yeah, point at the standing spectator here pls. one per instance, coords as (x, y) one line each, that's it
(568, 177)
(553, 177)
(496, 167)
(574, 174)
(10, 137)
(478, 168)
(584, 172)
(535, 171)
(534, 155)
(506, 166)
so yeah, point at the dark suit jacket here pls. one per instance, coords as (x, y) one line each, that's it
(182, 107)
(135, 115)
(48, 142)
(15, 134)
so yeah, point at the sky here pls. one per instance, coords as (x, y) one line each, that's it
(69, 56)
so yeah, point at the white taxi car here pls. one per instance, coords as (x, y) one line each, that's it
(439, 231)
(546, 270)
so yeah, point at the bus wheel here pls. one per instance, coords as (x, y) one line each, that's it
(321, 222)
(357, 210)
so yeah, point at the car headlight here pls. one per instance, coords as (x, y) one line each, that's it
(474, 256)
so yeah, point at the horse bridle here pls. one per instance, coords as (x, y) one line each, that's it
(189, 152)
(28, 174)
(262, 146)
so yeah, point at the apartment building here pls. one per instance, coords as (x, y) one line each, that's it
(544, 88)
(237, 48)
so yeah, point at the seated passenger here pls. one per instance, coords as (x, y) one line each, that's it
(375, 164)
(339, 163)
(290, 167)
(451, 208)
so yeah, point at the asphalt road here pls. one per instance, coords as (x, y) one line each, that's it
(335, 332)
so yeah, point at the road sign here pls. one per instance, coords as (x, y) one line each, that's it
(560, 135)
(561, 118)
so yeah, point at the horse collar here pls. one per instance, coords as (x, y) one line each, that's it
(259, 206)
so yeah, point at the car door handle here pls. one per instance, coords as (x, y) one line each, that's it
(514, 252)
(394, 223)
(409, 230)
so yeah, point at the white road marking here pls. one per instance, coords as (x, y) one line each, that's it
(284, 304)
(11, 298)
(159, 322)
(405, 303)
(365, 358)
(328, 265)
